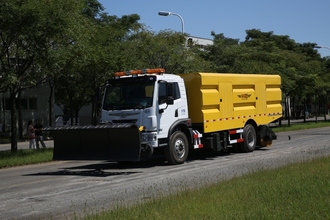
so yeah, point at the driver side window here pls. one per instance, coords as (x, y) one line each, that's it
(162, 92)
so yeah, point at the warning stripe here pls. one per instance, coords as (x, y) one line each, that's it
(244, 116)
(236, 141)
(236, 131)
(198, 146)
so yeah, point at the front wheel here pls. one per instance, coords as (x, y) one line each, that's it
(250, 139)
(177, 150)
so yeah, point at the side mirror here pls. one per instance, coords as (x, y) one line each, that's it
(169, 100)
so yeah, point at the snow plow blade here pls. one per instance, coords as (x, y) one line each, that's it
(103, 142)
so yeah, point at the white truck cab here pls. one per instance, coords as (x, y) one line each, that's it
(152, 100)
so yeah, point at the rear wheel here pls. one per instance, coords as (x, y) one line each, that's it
(177, 150)
(250, 139)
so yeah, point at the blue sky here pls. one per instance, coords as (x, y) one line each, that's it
(302, 20)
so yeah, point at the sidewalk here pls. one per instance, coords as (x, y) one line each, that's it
(25, 145)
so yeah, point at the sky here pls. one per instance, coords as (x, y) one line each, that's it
(302, 20)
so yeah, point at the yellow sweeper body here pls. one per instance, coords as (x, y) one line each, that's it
(222, 101)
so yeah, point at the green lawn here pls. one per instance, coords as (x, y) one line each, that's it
(24, 157)
(296, 191)
(302, 126)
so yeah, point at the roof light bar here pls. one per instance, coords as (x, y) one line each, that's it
(135, 72)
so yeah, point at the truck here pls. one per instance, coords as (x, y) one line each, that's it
(147, 112)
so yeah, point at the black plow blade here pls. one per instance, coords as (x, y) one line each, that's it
(103, 142)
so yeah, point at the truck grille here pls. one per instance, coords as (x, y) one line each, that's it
(125, 121)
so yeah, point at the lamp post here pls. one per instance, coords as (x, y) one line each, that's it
(167, 13)
(320, 46)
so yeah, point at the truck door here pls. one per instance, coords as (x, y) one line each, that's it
(168, 113)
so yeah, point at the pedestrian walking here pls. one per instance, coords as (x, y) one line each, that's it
(38, 134)
(31, 135)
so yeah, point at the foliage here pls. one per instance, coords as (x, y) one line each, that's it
(27, 30)
(166, 49)
(93, 54)
(304, 73)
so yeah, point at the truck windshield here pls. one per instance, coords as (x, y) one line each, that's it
(128, 96)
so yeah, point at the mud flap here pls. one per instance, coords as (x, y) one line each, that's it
(103, 142)
(266, 136)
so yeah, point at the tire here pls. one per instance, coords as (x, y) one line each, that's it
(250, 139)
(177, 150)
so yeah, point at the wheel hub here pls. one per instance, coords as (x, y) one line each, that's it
(250, 139)
(179, 148)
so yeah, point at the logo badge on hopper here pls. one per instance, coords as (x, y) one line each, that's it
(244, 96)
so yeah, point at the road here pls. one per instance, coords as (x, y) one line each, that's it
(61, 190)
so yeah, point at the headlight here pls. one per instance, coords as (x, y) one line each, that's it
(147, 137)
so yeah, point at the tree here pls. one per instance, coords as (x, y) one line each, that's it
(26, 31)
(95, 52)
(222, 54)
(264, 52)
(165, 49)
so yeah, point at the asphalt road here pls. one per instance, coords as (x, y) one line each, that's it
(61, 190)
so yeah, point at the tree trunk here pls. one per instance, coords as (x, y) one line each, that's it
(94, 110)
(287, 110)
(304, 111)
(95, 106)
(325, 110)
(76, 117)
(20, 119)
(293, 108)
(13, 121)
(71, 117)
(4, 114)
(50, 103)
(98, 97)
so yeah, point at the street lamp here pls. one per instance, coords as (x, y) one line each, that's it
(320, 46)
(167, 13)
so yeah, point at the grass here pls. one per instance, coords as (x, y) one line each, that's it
(302, 126)
(295, 191)
(24, 157)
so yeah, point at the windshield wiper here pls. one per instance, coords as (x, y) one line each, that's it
(139, 106)
(126, 106)
(115, 107)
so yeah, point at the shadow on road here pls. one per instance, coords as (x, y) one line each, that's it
(105, 169)
(90, 173)
(110, 168)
